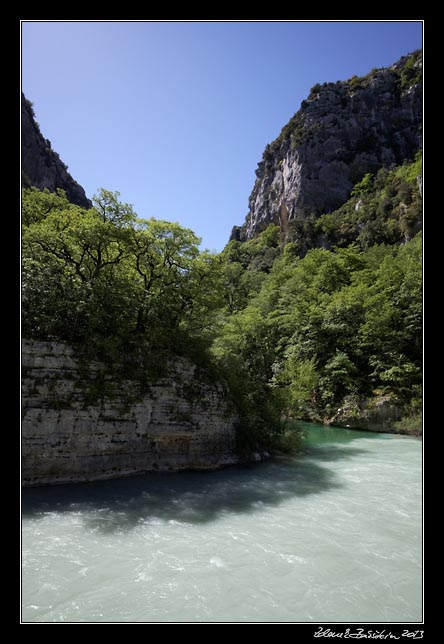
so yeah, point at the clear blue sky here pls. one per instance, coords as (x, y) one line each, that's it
(176, 115)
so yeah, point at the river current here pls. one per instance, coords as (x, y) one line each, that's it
(332, 535)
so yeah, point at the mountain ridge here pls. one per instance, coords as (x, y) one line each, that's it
(341, 132)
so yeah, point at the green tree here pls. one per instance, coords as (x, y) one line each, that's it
(364, 186)
(103, 275)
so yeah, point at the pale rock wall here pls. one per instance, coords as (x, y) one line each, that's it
(378, 414)
(342, 131)
(72, 435)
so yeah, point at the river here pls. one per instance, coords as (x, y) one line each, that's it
(332, 535)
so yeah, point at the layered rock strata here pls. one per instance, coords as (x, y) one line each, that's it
(79, 424)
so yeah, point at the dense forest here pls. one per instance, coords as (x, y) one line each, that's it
(294, 332)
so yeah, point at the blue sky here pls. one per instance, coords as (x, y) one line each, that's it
(176, 115)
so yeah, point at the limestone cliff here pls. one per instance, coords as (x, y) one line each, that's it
(82, 424)
(341, 132)
(41, 166)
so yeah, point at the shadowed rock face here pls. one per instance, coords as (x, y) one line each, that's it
(41, 166)
(341, 132)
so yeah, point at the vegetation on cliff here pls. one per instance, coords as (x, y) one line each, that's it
(307, 320)
(292, 337)
(326, 328)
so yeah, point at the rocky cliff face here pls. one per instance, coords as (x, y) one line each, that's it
(341, 132)
(75, 429)
(41, 166)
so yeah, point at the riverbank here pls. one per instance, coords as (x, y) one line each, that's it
(405, 427)
(383, 413)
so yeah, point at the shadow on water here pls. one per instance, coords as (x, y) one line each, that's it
(190, 497)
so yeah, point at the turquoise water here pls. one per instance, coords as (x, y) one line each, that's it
(331, 535)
